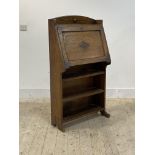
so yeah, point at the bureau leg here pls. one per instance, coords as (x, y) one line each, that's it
(104, 113)
(60, 126)
(53, 121)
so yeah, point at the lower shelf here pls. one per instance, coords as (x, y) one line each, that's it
(84, 113)
(89, 92)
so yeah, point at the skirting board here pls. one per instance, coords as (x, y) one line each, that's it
(40, 95)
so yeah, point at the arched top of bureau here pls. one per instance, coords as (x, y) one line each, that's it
(75, 19)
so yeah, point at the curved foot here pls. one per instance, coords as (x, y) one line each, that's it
(104, 113)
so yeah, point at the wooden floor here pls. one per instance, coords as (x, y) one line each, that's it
(94, 136)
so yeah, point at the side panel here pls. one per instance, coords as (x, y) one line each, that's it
(56, 68)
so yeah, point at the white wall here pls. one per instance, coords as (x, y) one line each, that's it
(118, 18)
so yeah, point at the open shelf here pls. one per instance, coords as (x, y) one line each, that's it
(83, 71)
(81, 107)
(89, 92)
(82, 75)
(83, 91)
(83, 113)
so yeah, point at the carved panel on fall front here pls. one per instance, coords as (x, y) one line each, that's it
(82, 42)
(83, 45)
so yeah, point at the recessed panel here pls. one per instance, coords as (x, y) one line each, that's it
(83, 45)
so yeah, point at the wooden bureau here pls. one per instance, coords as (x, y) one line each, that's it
(78, 59)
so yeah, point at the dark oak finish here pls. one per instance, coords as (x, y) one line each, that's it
(78, 58)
